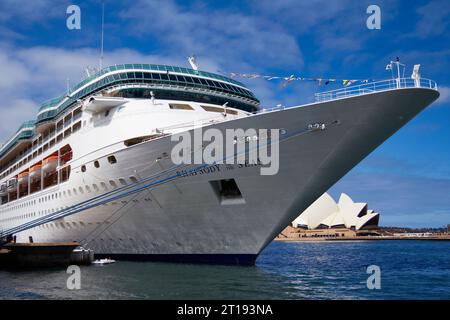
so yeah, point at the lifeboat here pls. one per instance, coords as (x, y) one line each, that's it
(3, 190)
(50, 163)
(35, 171)
(23, 177)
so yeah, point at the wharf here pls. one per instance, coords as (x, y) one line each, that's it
(38, 255)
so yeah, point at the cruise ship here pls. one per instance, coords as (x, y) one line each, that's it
(95, 165)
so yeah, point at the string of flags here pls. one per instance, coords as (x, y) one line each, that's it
(291, 78)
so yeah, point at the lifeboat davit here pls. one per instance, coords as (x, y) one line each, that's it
(22, 178)
(50, 163)
(3, 190)
(12, 184)
(35, 172)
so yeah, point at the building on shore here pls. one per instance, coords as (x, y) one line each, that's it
(325, 213)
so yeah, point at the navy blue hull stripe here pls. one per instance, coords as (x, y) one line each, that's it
(223, 259)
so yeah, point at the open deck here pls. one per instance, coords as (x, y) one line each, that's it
(376, 86)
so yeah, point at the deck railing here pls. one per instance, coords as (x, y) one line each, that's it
(376, 86)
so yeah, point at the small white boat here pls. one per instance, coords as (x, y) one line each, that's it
(103, 261)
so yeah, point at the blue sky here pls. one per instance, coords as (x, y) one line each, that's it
(407, 179)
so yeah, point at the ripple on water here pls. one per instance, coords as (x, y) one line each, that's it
(321, 270)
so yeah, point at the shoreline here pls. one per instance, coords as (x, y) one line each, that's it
(361, 238)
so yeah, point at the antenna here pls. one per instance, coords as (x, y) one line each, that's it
(398, 64)
(103, 28)
(193, 62)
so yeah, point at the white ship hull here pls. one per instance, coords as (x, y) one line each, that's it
(184, 219)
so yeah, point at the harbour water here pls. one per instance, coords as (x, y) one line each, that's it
(319, 270)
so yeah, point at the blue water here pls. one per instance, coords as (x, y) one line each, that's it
(320, 270)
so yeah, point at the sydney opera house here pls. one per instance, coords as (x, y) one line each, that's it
(325, 213)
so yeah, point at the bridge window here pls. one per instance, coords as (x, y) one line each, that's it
(180, 106)
(218, 109)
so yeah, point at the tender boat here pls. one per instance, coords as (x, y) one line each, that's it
(50, 163)
(35, 172)
(23, 177)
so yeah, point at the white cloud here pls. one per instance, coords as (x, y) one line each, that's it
(15, 113)
(31, 11)
(434, 20)
(13, 72)
(445, 96)
(229, 38)
(32, 75)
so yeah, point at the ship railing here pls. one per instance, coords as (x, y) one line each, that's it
(375, 86)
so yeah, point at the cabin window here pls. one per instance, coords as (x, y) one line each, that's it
(96, 164)
(68, 132)
(83, 168)
(77, 113)
(76, 126)
(59, 125)
(68, 120)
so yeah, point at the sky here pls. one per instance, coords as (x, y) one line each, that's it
(407, 179)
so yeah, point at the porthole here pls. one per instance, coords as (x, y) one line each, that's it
(112, 160)
(96, 164)
(133, 179)
(83, 168)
